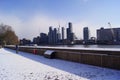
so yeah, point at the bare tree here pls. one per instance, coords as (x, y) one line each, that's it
(7, 35)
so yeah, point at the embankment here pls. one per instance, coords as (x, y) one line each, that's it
(98, 57)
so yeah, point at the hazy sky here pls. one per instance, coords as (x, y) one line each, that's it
(30, 17)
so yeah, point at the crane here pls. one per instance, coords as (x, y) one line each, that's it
(112, 31)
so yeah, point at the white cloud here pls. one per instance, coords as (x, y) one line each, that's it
(13, 21)
(32, 27)
(40, 23)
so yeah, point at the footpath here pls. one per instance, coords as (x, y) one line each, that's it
(25, 66)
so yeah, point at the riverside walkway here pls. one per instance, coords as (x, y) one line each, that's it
(25, 66)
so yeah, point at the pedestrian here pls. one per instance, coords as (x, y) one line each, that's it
(17, 48)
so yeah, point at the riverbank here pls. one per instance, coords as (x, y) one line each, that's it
(109, 58)
(25, 66)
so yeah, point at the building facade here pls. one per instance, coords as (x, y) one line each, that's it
(63, 36)
(70, 34)
(36, 40)
(54, 36)
(85, 34)
(25, 41)
(108, 36)
(43, 38)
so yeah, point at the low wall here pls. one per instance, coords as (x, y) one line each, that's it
(109, 59)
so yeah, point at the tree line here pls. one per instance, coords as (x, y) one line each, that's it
(7, 35)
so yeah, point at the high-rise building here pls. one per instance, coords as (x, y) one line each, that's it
(54, 36)
(86, 34)
(70, 27)
(59, 34)
(63, 33)
(108, 36)
(50, 35)
(70, 34)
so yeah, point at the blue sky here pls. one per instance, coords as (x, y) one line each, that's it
(30, 17)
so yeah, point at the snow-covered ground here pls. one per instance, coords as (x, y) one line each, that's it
(25, 66)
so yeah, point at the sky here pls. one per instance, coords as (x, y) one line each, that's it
(29, 18)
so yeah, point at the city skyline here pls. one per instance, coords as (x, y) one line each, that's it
(31, 17)
(57, 37)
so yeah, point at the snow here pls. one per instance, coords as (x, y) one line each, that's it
(69, 48)
(49, 52)
(25, 66)
(77, 48)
